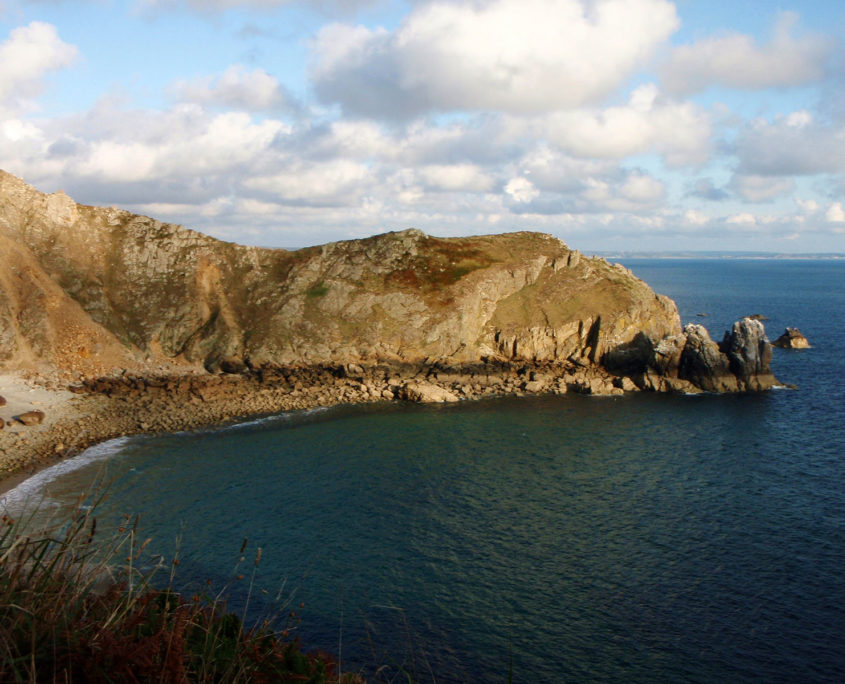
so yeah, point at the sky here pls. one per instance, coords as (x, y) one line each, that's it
(629, 125)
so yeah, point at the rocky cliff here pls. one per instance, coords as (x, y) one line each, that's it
(93, 290)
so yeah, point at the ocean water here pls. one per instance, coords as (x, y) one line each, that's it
(627, 539)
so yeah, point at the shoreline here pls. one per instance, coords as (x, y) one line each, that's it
(130, 404)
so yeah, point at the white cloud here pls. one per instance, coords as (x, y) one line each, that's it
(236, 87)
(735, 61)
(742, 219)
(761, 188)
(642, 188)
(180, 142)
(634, 191)
(799, 119)
(338, 182)
(693, 217)
(357, 140)
(790, 145)
(807, 206)
(522, 56)
(212, 6)
(456, 177)
(835, 214)
(25, 58)
(521, 190)
(553, 171)
(680, 131)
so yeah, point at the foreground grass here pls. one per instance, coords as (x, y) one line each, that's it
(79, 606)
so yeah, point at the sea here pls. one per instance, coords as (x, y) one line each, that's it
(644, 538)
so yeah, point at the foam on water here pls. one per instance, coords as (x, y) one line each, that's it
(35, 490)
(273, 419)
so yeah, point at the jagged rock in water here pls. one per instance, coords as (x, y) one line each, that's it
(703, 364)
(792, 339)
(749, 353)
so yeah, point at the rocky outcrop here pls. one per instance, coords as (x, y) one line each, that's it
(792, 339)
(749, 354)
(426, 392)
(691, 361)
(97, 291)
(703, 363)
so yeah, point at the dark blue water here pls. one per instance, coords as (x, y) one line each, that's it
(634, 539)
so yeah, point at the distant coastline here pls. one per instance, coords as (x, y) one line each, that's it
(768, 256)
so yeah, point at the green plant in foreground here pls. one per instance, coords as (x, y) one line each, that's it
(77, 606)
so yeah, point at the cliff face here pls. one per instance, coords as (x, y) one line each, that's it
(96, 289)
(153, 290)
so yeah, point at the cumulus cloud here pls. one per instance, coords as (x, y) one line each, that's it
(807, 206)
(553, 171)
(761, 188)
(196, 144)
(742, 219)
(213, 6)
(835, 214)
(25, 58)
(521, 190)
(522, 56)
(236, 87)
(680, 131)
(704, 188)
(735, 61)
(635, 191)
(456, 178)
(117, 156)
(694, 217)
(335, 182)
(795, 144)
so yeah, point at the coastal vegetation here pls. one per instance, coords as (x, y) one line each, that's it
(80, 605)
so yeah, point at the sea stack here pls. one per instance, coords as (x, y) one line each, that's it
(792, 339)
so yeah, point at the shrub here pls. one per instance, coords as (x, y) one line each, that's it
(79, 606)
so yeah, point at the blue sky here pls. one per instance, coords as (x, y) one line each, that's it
(612, 124)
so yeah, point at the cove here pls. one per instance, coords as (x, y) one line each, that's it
(568, 537)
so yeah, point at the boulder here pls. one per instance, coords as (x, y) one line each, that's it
(625, 384)
(30, 418)
(703, 364)
(425, 392)
(749, 353)
(2, 423)
(535, 386)
(2, 401)
(233, 366)
(791, 339)
(666, 355)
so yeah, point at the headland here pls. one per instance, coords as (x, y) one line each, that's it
(113, 323)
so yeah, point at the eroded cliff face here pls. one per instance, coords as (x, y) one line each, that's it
(97, 289)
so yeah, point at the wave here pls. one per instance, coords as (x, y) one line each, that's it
(34, 488)
(284, 417)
